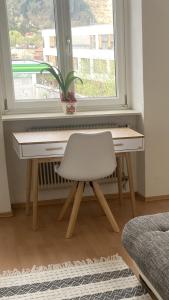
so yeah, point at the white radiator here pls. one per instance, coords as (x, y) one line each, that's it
(48, 179)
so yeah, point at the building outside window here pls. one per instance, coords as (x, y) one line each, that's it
(92, 42)
(100, 67)
(85, 66)
(110, 41)
(52, 41)
(103, 41)
(75, 64)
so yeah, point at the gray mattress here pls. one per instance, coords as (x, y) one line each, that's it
(146, 239)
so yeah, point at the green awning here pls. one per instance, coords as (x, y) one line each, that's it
(27, 68)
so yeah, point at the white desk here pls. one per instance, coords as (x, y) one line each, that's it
(40, 146)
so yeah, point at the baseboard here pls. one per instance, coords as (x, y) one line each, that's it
(6, 214)
(139, 196)
(61, 201)
(87, 198)
(153, 198)
(157, 198)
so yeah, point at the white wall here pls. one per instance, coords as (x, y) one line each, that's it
(155, 22)
(5, 205)
(149, 78)
(5, 202)
(135, 76)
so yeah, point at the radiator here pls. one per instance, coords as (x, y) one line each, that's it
(48, 179)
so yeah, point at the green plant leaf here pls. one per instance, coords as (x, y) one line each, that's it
(70, 80)
(57, 77)
(67, 85)
(46, 64)
(64, 84)
(51, 70)
(62, 81)
(60, 75)
(69, 75)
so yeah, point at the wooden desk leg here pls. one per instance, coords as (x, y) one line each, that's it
(130, 176)
(119, 177)
(34, 192)
(28, 186)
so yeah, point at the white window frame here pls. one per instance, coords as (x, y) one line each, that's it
(62, 20)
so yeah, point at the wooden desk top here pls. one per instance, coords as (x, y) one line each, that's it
(38, 137)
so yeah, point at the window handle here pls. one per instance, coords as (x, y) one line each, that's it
(68, 42)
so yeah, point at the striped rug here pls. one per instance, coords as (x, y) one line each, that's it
(104, 279)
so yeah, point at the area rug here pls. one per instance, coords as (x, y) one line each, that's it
(104, 278)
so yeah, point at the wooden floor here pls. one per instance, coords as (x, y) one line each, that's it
(20, 247)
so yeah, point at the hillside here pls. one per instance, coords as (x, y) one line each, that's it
(26, 15)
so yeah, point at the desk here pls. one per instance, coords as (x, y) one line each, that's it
(41, 146)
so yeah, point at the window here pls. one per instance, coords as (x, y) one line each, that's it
(75, 64)
(106, 41)
(92, 42)
(52, 41)
(84, 35)
(85, 66)
(103, 41)
(100, 67)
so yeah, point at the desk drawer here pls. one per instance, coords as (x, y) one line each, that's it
(125, 145)
(58, 149)
(43, 150)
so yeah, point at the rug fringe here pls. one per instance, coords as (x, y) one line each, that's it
(34, 269)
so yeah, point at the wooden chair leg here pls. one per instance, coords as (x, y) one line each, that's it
(130, 176)
(28, 187)
(75, 209)
(119, 178)
(91, 184)
(97, 199)
(68, 201)
(34, 192)
(105, 206)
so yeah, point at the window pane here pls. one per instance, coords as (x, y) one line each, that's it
(33, 41)
(93, 47)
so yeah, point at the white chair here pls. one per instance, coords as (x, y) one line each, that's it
(87, 158)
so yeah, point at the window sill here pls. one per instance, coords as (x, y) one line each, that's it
(50, 116)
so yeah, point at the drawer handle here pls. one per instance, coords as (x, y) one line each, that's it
(120, 144)
(53, 149)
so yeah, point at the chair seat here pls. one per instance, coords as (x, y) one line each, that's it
(82, 176)
(88, 157)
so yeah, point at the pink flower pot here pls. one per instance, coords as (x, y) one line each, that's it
(69, 107)
(69, 104)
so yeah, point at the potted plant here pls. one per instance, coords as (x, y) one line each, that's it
(67, 95)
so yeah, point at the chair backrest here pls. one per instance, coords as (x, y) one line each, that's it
(88, 157)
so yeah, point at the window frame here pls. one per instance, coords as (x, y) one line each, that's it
(63, 30)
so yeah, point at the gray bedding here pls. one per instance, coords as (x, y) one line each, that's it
(146, 239)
